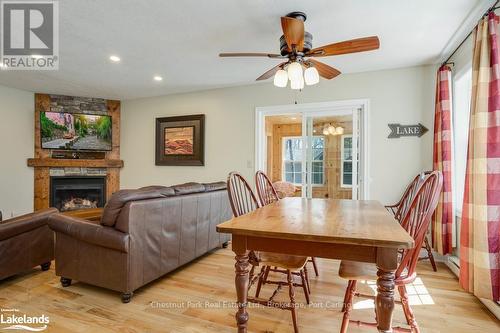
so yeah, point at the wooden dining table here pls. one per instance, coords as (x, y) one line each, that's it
(359, 230)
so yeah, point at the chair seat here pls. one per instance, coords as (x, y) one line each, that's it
(282, 260)
(354, 270)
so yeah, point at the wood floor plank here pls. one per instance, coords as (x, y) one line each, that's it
(199, 298)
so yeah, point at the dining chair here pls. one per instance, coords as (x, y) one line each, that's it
(243, 201)
(400, 208)
(415, 222)
(267, 195)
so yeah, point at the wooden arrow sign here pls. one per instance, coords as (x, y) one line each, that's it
(398, 130)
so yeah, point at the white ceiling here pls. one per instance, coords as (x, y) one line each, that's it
(180, 40)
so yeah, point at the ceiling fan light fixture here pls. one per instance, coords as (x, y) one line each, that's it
(295, 71)
(311, 76)
(339, 130)
(325, 131)
(281, 78)
(332, 130)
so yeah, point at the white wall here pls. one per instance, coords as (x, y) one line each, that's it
(403, 96)
(16, 146)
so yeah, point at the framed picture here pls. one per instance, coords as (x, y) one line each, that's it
(180, 140)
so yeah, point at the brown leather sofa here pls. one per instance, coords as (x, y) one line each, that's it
(143, 234)
(25, 242)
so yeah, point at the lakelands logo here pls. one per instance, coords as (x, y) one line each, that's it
(11, 319)
(29, 35)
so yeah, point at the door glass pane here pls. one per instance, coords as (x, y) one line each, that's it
(326, 156)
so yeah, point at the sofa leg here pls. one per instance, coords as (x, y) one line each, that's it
(225, 245)
(45, 266)
(65, 282)
(126, 297)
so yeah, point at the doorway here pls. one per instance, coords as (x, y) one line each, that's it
(318, 150)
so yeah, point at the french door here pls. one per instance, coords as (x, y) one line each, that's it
(321, 148)
(330, 161)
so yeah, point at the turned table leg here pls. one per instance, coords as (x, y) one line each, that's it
(384, 303)
(241, 282)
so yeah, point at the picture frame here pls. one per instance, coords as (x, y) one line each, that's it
(180, 141)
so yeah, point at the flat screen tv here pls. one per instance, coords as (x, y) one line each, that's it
(74, 131)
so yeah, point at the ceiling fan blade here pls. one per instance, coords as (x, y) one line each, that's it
(293, 29)
(270, 72)
(268, 55)
(348, 46)
(324, 70)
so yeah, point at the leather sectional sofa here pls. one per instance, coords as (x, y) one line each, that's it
(143, 234)
(25, 242)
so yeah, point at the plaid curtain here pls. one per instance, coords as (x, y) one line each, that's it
(443, 215)
(480, 229)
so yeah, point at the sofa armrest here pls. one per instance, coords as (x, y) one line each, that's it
(89, 232)
(21, 224)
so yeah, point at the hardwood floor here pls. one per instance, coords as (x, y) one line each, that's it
(199, 298)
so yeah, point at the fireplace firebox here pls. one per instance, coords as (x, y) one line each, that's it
(71, 193)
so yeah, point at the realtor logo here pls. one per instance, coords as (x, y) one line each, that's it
(29, 35)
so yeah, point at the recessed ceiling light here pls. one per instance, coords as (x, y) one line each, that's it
(158, 78)
(36, 56)
(114, 58)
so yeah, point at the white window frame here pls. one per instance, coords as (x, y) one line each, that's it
(283, 160)
(342, 160)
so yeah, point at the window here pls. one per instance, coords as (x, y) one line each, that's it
(292, 160)
(462, 88)
(346, 161)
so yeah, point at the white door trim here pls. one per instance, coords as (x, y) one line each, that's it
(307, 109)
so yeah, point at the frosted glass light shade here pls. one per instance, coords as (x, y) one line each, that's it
(332, 130)
(339, 130)
(281, 78)
(311, 76)
(325, 131)
(294, 71)
(297, 84)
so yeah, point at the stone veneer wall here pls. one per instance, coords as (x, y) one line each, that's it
(85, 105)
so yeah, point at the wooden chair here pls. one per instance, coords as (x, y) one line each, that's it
(400, 208)
(243, 201)
(267, 195)
(415, 222)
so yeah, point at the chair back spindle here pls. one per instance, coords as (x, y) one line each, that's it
(241, 196)
(265, 189)
(416, 221)
(401, 208)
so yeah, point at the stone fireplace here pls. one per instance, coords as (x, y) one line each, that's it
(82, 167)
(72, 193)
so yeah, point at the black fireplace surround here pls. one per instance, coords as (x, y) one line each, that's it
(72, 193)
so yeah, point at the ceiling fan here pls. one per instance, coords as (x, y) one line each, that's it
(296, 48)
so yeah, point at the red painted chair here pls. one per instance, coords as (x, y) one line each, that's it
(415, 222)
(400, 208)
(243, 201)
(267, 195)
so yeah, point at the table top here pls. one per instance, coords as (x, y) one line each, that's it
(359, 222)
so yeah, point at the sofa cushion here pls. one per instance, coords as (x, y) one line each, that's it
(216, 186)
(119, 199)
(188, 188)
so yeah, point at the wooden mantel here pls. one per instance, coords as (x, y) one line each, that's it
(43, 162)
(78, 163)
